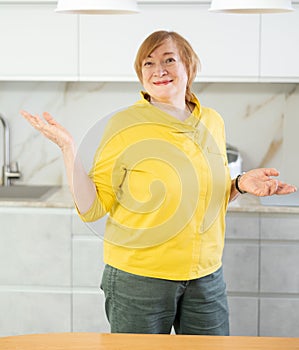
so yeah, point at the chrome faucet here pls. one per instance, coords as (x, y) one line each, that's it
(9, 170)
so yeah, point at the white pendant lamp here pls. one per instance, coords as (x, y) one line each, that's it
(251, 6)
(104, 7)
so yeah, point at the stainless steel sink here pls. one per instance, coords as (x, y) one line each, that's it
(26, 192)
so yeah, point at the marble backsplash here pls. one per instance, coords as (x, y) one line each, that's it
(262, 121)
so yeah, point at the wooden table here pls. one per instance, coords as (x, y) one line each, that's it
(97, 341)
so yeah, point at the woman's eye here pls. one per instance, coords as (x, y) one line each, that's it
(170, 60)
(147, 64)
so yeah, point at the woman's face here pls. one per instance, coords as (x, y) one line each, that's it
(164, 75)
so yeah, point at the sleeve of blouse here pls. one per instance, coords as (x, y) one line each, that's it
(105, 173)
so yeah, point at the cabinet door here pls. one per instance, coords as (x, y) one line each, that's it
(37, 43)
(279, 274)
(35, 270)
(88, 301)
(279, 46)
(227, 45)
(241, 271)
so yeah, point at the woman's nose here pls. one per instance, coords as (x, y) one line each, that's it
(160, 69)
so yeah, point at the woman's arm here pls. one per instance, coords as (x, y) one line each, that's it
(84, 193)
(260, 182)
(234, 193)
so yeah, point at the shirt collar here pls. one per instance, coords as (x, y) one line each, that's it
(192, 121)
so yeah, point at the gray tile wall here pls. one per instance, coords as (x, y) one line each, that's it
(51, 268)
(261, 260)
(87, 266)
(35, 279)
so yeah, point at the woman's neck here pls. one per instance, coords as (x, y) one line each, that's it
(179, 104)
(177, 112)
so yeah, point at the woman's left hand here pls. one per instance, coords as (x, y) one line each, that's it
(260, 182)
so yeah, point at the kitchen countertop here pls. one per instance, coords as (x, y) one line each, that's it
(249, 203)
(97, 341)
(63, 199)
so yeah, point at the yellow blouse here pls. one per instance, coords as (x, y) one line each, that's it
(165, 185)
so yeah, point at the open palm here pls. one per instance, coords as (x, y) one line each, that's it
(50, 128)
(260, 182)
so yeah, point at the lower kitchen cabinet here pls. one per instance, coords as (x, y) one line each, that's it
(279, 274)
(279, 316)
(241, 271)
(52, 263)
(244, 313)
(261, 258)
(35, 280)
(34, 310)
(87, 268)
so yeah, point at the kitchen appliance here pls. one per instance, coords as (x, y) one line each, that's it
(234, 161)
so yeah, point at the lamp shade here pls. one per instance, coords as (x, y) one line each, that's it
(105, 7)
(251, 6)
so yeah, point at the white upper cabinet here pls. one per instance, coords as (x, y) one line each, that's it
(37, 43)
(228, 45)
(280, 46)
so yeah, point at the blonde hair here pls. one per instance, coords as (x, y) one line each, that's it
(186, 52)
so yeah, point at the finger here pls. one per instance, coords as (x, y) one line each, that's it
(26, 115)
(284, 184)
(271, 172)
(47, 116)
(34, 120)
(273, 186)
(284, 188)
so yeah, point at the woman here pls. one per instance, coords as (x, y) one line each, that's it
(161, 173)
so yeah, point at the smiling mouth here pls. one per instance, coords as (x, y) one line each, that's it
(165, 82)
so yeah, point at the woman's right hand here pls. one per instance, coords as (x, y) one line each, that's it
(49, 127)
(85, 193)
